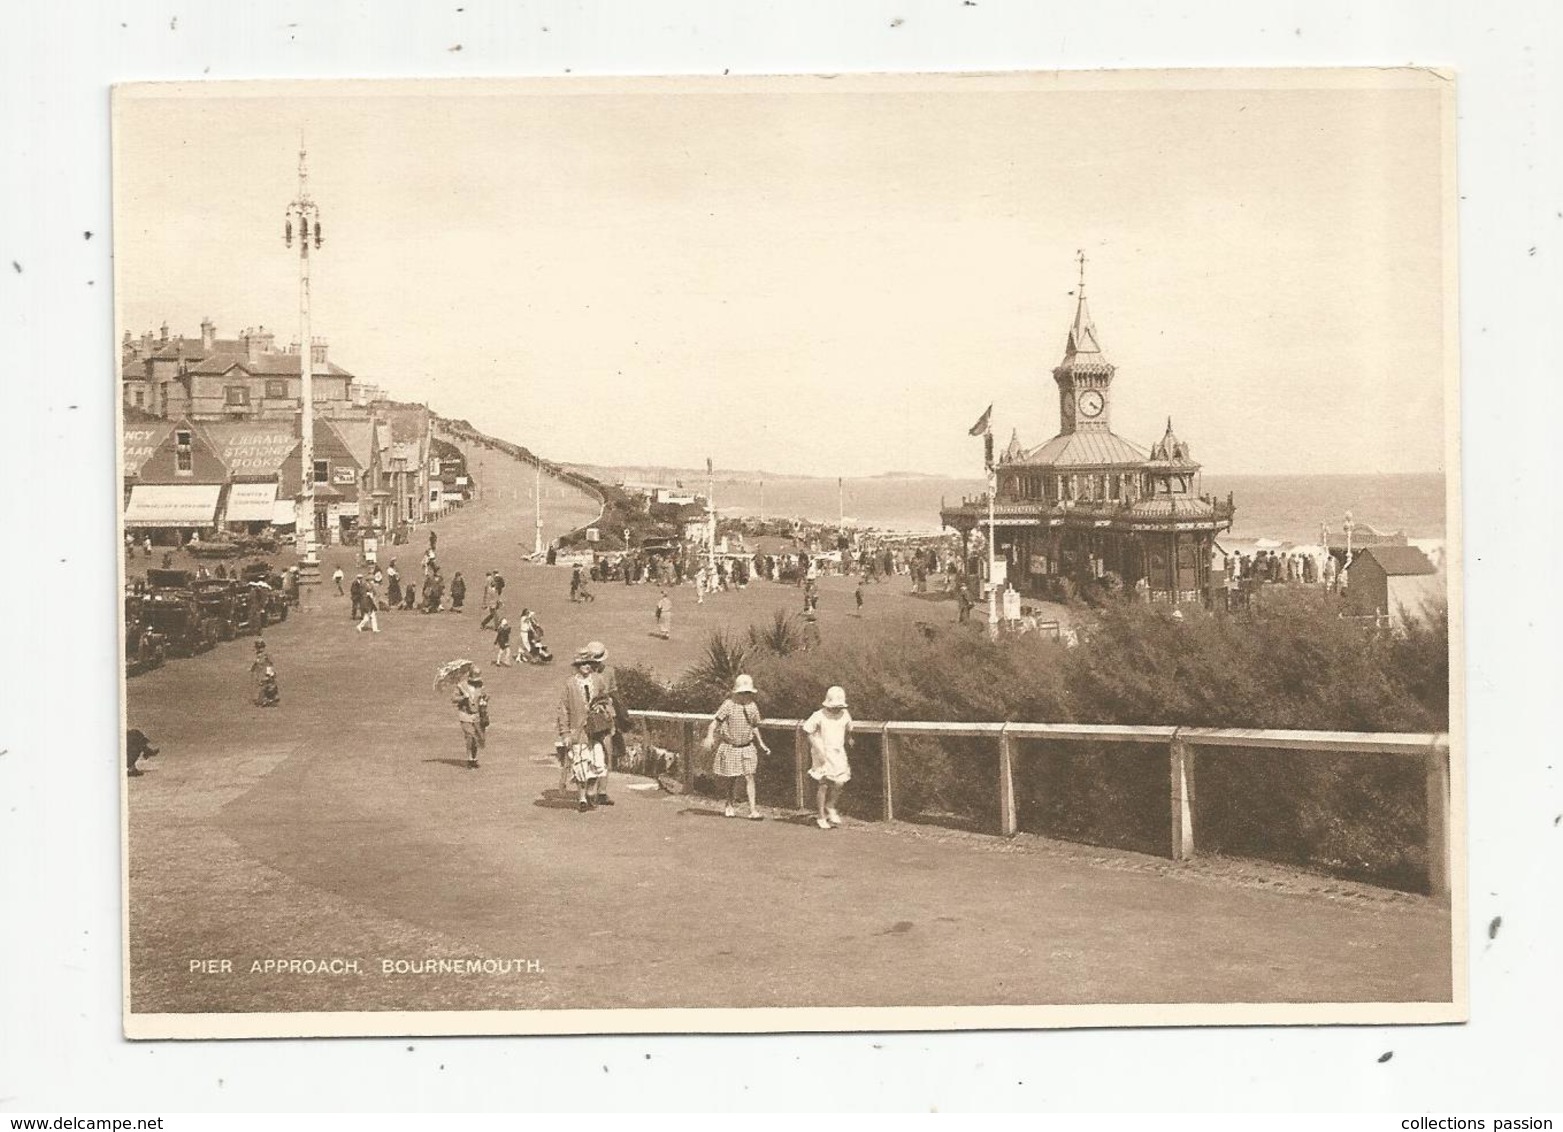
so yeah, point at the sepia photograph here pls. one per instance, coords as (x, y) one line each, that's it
(809, 553)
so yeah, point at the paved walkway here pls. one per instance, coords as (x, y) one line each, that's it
(342, 825)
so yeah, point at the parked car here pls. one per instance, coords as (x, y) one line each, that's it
(169, 608)
(266, 583)
(231, 604)
(144, 646)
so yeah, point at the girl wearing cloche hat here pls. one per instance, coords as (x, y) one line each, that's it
(830, 736)
(735, 732)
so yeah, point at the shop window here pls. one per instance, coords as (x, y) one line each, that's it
(322, 471)
(276, 390)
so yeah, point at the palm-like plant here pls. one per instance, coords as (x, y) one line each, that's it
(781, 637)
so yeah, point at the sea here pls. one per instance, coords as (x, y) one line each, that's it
(1288, 509)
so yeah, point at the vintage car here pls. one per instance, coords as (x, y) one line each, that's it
(267, 585)
(169, 608)
(144, 647)
(231, 604)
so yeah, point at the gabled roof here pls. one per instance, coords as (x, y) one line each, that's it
(358, 436)
(272, 363)
(1085, 449)
(1399, 561)
(255, 449)
(141, 436)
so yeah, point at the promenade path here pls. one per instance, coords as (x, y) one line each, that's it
(344, 825)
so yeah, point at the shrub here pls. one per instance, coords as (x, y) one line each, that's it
(1289, 663)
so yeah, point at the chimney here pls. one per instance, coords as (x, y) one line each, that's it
(257, 341)
(317, 353)
(127, 344)
(146, 344)
(208, 335)
(162, 333)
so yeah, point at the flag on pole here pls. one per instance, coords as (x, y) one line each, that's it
(708, 467)
(982, 424)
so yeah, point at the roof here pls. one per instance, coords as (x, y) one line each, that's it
(358, 436)
(1398, 561)
(254, 448)
(273, 363)
(142, 435)
(1172, 507)
(408, 423)
(1082, 350)
(1085, 449)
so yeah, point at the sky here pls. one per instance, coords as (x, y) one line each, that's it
(828, 276)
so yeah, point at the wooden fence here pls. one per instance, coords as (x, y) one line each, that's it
(1181, 743)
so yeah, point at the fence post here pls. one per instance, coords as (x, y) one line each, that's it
(800, 765)
(687, 735)
(1009, 823)
(887, 754)
(1437, 763)
(1182, 809)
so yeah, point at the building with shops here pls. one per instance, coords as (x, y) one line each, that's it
(1093, 508)
(184, 477)
(216, 379)
(211, 441)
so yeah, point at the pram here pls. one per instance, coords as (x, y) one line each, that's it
(532, 650)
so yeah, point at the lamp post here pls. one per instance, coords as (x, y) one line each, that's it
(537, 508)
(304, 216)
(1350, 526)
(711, 516)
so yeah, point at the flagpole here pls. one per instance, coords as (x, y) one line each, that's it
(993, 593)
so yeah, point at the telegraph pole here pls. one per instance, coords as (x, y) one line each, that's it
(304, 215)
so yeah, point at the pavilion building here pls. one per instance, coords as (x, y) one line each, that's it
(1092, 507)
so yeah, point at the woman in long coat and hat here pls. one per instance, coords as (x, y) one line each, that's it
(581, 745)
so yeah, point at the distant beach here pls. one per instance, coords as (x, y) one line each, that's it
(1286, 508)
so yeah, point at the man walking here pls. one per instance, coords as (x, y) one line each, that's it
(489, 618)
(371, 610)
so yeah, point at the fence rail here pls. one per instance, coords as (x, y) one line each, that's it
(1181, 743)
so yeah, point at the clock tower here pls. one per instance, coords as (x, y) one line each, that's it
(1085, 376)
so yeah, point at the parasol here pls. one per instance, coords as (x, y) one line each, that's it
(451, 673)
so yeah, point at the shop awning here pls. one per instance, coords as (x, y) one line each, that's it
(252, 503)
(172, 505)
(284, 513)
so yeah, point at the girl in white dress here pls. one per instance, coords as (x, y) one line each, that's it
(830, 736)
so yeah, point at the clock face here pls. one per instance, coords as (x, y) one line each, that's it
(1091, 404)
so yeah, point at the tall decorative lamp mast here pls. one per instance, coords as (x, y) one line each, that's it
(303, 220)
(537, 508)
